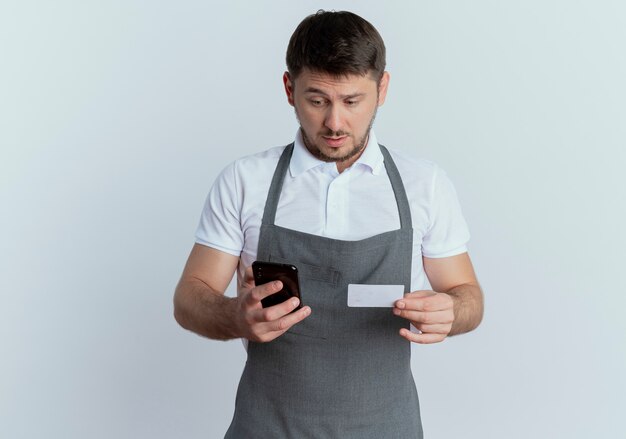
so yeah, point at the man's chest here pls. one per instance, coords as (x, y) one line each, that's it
(350, 206)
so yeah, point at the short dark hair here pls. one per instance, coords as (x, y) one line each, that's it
(340, 43)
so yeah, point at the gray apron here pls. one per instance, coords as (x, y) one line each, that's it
(342, 372)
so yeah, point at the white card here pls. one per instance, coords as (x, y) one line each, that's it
(380, 296)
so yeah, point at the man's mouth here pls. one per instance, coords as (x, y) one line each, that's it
(335, 141)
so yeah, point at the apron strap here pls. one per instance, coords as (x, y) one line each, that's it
(271, 204)
(398, 190)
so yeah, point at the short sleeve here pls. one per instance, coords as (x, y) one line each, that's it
(219, 225)
(448, 233)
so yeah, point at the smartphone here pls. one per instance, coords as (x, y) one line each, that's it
(265, 272)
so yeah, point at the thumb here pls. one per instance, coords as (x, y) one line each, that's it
(419, 294)
(248, 278)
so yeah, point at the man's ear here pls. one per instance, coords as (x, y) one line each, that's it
(288, 87)
(382, 88)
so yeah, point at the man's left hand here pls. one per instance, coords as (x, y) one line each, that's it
(430, 312)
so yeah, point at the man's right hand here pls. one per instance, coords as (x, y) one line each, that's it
(265, 324)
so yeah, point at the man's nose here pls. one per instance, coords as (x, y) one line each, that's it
(333, 118)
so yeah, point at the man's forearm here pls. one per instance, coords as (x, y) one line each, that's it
(204, 311)
(468, 308)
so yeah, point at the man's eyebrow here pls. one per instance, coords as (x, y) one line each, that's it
(314, 90)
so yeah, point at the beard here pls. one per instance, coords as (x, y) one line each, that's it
(359, 143)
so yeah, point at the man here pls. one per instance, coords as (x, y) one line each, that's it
(345, 211)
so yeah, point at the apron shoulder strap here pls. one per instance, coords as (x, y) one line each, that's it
(402, 200)
(273, 195)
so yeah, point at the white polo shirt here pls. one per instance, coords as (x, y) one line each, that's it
(316, 199)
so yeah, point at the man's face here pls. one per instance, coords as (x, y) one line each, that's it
(335, 113)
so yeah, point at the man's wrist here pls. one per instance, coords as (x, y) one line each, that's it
(467, 307)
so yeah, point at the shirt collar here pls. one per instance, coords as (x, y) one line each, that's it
(302, 160)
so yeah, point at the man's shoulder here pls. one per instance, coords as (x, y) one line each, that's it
(412, 167)
(260, 158)
(254, 165)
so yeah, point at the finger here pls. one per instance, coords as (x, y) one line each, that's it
(248, 279)
(434, 329)
(438, 302)
(286, 322)
(435, 302)
(421, 338)
(277, 311)
(259, 293)
(248, 275)
(434, 317)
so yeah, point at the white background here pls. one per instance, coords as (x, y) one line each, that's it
(115, 117)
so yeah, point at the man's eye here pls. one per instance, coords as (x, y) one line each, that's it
(351, 103)
(317, 102)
